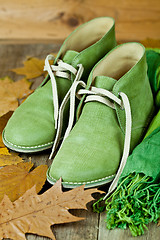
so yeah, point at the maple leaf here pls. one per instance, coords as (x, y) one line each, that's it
(34, 213)
(15, 180)
(3, 121)
(8, 159)
(10, 92)
(33, 67)
(4, 151)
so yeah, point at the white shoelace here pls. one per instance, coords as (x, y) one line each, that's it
(70, 95)
(63, 70)
(99, 95)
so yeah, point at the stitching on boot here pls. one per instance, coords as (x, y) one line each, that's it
(94, 181)
(43, 145)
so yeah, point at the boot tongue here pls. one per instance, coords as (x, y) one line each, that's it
(69, 55)
(104, 82)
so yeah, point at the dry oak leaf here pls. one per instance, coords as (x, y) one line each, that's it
(15, 180)
(4, 151)
(33, 67)
(7, 158)
(10, 92)
(3, 121)
(35, 214)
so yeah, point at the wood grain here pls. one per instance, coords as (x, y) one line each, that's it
(153, 232)
(93, 227)
(48, 21)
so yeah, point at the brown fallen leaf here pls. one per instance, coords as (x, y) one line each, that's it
(7, 159)
(15, 180)
(10, 92)
(33, 67)
(4, 151)
(159, 222)
(3, 121)
(34, 213)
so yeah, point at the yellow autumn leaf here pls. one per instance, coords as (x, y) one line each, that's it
(9, 159)
(15, 180)
(3, 121)
(6, 158)
(4, 151)
(10, 92)
(33, 67)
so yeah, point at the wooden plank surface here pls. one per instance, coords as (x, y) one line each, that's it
(93, 227)
(52, 20)
(118, 234)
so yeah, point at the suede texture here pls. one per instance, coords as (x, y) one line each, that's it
(31, 128)
(92, 152)
(135, 84)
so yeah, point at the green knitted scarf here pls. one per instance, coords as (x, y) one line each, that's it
(136, 201)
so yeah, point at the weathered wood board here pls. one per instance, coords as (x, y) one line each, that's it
(93, 227)
(52, 20)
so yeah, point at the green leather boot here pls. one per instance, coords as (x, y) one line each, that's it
(117, 109)
(32, 127)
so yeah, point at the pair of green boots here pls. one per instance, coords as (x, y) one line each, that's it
(116, 106)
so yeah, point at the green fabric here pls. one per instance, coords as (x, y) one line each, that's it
(153, 61)
(31, 127)
(91, 154)
(154, 124)
(136, 202)
(145, 158)
(154, 49)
